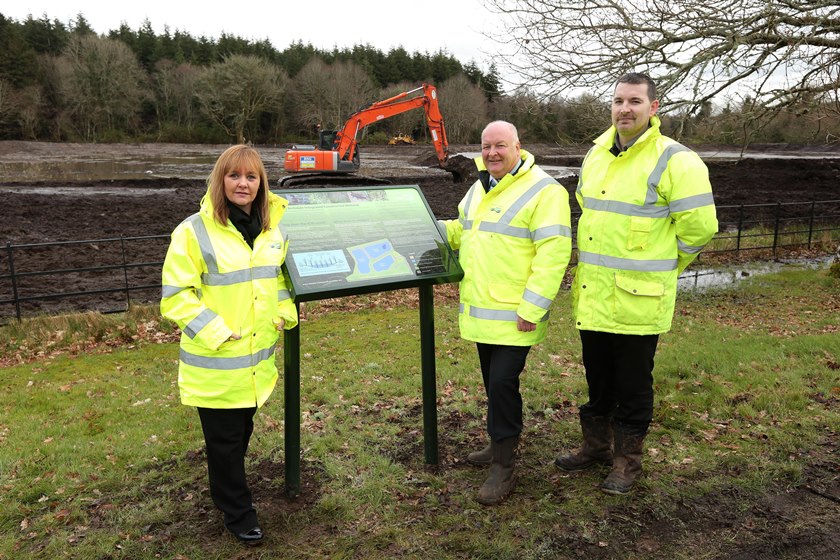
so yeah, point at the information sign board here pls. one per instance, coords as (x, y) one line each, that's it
(354, 240)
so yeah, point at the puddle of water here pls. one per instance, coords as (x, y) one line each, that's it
(558, 172)
(705, 278)
(120, 166)
(181, 167)
(86, 191)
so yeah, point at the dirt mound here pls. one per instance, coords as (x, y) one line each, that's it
(461, 167)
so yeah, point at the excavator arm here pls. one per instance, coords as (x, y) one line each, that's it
(345, 139)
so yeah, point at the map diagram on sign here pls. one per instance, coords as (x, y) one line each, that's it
(316, 263)
(377, 259)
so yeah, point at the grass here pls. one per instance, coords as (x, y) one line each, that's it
(98, 459)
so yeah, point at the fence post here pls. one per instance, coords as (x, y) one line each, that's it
(14, 279)
(811, 222)
(740, 225)
(125, 273)
(776, 228)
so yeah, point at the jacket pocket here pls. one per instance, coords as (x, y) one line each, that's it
(639, 233)
(508, 294)
(637, 301)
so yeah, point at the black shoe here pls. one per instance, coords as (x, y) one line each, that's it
(252, 537)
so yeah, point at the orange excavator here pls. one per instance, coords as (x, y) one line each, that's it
(338, 151)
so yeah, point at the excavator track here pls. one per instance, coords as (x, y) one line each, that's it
(329, 180)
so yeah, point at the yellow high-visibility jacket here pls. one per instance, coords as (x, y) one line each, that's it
(215, 285)
(514, 244)
(647, 213)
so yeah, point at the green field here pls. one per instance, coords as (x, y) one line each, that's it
(98, 459)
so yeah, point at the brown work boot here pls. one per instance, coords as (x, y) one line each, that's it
(627, 463)
(481, 458)
(596, 448)
(500, 481)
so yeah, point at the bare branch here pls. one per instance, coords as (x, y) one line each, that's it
(776, 52)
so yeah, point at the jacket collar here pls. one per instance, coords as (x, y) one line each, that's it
(607, 139)
(525, 165)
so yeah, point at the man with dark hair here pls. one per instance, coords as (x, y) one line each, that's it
(647, 212)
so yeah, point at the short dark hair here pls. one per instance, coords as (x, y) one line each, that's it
(636, 78)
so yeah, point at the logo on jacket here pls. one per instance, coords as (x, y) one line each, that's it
(496, 209)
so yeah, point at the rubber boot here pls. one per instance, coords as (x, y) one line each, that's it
(627, 462)
(500, 481)
(481, 458)
(596, 448)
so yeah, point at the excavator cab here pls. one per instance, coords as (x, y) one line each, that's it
(326, 139)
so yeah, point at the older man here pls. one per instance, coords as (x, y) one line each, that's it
(514, 240)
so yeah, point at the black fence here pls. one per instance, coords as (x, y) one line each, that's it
(109, 275)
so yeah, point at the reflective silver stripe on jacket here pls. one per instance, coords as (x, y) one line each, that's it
(524, 199)
(204, 243)
(536, 299)
(216, 278)
(465, 223)
(690, 249)
(169, 291)
(201, 321)
(626, 208)
(656, 175)
(495, 314)
(649, 209)
(283, 294)
(504, 227)
(237, 276)
(550, 231)
(619, 263)
(236, 362)
(692, 202)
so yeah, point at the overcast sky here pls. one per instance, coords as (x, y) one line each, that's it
(424, 26)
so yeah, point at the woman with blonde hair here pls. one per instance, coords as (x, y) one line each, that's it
(223, 286)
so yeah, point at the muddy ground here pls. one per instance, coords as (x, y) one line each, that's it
(117, 192)
(116, 209)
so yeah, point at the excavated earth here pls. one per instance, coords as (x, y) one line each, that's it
(106, 205)
(132, 196)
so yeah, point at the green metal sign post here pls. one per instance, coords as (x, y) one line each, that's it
(352, 241)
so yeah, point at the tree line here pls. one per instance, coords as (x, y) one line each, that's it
(65, 82)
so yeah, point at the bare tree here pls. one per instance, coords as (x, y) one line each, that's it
(6, 104)
(30, 105)
(404, 123)
(326, 94)
(777, 53)
(464, 108)
(175, 89)
(101, 83)
(233, 92)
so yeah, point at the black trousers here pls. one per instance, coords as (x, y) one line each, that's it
(500, 369)
(226, 435)
(619, 373)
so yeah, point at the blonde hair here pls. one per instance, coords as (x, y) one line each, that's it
(237, 157)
